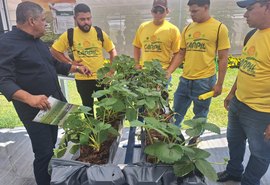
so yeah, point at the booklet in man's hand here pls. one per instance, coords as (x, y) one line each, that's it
(58, 113)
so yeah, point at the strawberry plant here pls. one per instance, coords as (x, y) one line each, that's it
(172, 150)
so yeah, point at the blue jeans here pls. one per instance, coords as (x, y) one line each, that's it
(244, 124)
(188, 92)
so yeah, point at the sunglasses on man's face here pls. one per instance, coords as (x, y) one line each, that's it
(158, 9)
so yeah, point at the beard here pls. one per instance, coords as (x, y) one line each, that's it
(86, 28)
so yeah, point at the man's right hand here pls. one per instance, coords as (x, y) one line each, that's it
(39, 101)
(227, 100)
(138, 66)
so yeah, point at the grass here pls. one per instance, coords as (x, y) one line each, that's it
(217, 114)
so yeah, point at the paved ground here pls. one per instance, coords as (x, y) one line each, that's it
(16, 156)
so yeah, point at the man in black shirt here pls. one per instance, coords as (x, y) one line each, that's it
(28, 76)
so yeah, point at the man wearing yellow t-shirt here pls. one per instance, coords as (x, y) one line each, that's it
(87, 50)
(157, 39)
(248, 102)
(200, 41)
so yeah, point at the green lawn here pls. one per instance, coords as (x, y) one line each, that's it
(217, 114)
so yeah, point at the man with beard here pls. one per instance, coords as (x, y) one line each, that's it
(87, 50)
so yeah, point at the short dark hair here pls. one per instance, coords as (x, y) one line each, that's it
(27, 9)
(81, 8)
(198, 2)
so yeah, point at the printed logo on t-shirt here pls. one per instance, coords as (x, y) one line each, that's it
(249, 62)
(196, 42)
(152, 44)
(86, 49)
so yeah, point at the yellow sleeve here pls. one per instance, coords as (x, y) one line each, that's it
(224, 41)
(176, 40)
(136, 42)
(108, 43)
(61, 44)
(183, 39)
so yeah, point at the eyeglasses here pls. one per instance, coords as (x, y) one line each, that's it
(158, 9)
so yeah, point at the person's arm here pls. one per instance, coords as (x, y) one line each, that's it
(222, 68)
(112, 54)
(62, 57)
(137, 56)
(230, 95)
(177, 60)
(37, 101)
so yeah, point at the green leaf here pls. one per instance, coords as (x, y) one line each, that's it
(119, 106)
(212, 127)
(59, 152)
(200, 154)
(74, 149)
(136, 123)
(150, 103)
(131, 114)
(84, 136)
(167, 153)
(195, 122)
(206, 169)
(100, 93)
(196, 131)
(182, 168)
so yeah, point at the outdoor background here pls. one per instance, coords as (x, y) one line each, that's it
(120, 19)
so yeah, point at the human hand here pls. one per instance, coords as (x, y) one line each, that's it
(39, 101)
(110, 73)
(217, 90)
(267, 133)
(83, 70)
(138, 66)
(227, 100)
(168, 75)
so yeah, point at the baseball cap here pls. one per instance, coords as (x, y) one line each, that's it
(246, 3)
(161, 3)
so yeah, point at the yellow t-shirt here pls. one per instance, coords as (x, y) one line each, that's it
(157, 42)
(253, 81)
(86, 47)
(199, 40)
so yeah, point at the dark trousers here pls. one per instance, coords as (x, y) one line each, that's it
(43, 138)
(86, 88)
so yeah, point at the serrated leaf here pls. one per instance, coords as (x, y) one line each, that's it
(195, 122)
(150, 103)
(212, 127)
(196, 131)
(136, 123)
(166, 153)
(182, 168)
(100, 93)
(206, 169)
(59, 152)
(74, 149)
(131, 114)
(84, 136)
(200, 154)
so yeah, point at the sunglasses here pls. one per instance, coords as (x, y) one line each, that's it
(158, 9)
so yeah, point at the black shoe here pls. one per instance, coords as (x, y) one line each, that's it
(225, 176)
